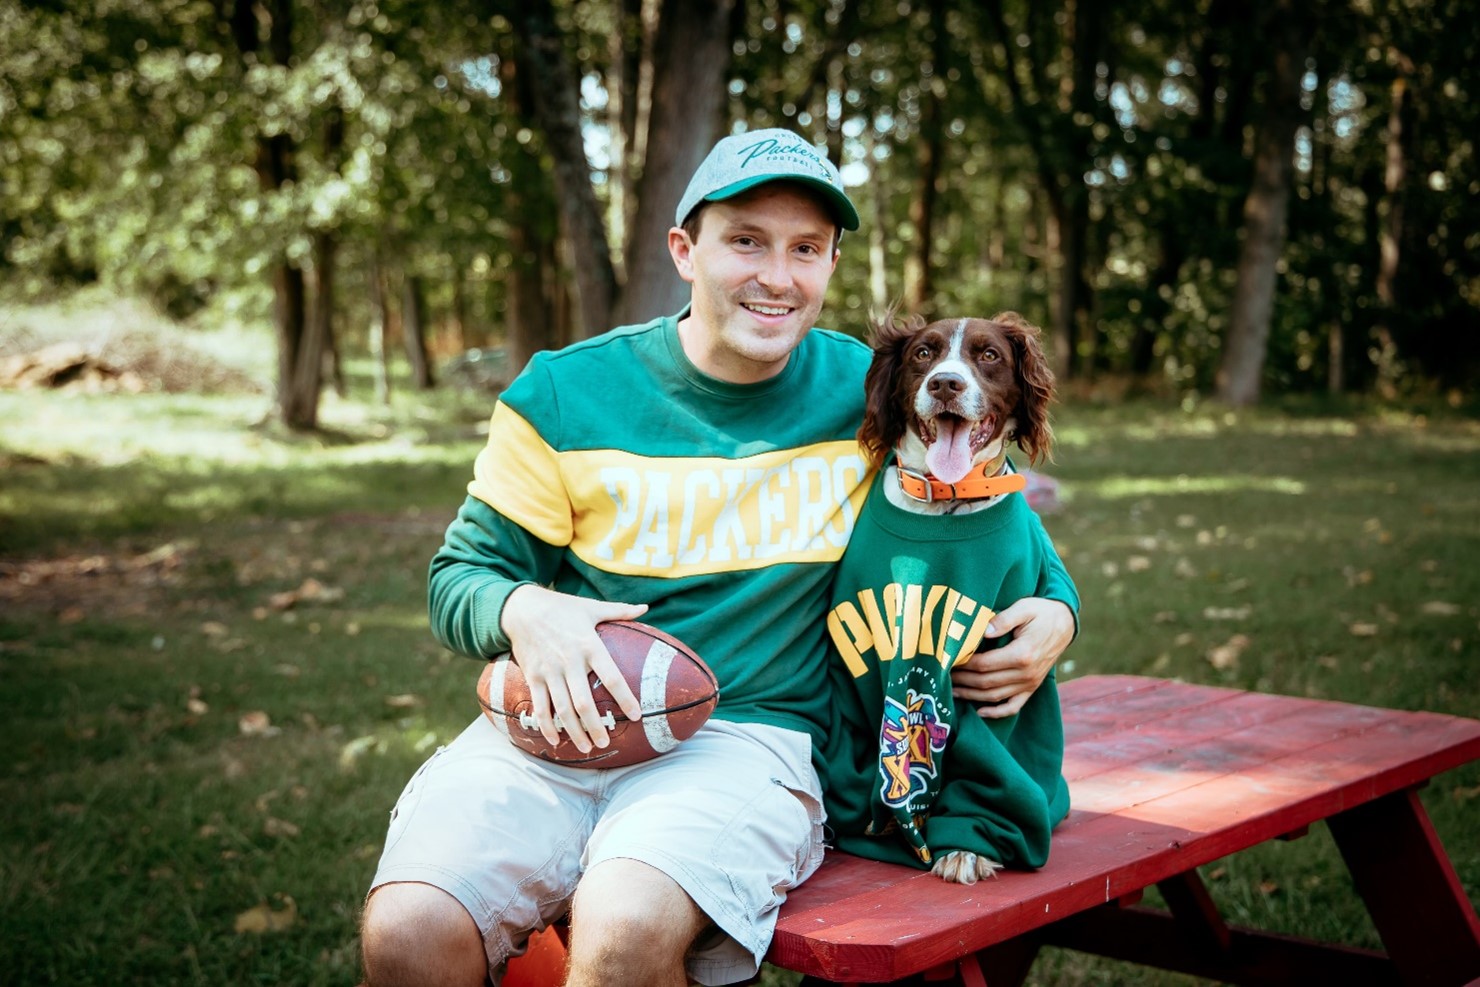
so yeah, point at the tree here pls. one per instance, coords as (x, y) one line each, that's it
(1240, 372)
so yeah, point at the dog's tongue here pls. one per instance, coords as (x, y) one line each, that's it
(949, 457)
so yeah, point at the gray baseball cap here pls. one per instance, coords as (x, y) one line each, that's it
(743, 161)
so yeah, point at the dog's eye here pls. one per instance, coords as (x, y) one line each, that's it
(990, 355)
(922, 352)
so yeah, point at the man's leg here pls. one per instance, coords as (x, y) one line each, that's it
(484, 846)
(712, 836)
(631, 924)
(415, 935)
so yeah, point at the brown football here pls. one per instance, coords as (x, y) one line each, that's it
(676, 688)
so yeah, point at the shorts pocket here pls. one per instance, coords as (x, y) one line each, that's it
(410, 798)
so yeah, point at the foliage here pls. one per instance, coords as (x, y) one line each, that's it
(218, 673)
(127, 137)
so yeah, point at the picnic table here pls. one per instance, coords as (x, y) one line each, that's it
(1165, 777)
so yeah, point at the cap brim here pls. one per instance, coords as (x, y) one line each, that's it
(843, 209)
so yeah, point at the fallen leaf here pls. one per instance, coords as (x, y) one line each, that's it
(264, 918)
(1465, 794)
(1440, 608)
(405, 700)
(1227, 613)
(273, 826)
(1164, 617)
(1268, 887)
(1226, 655)
(1185, 569)
(196, 707)
(1137, 563)
(354, 750)
(71, 615)
(214, 628)
(1363, 629)
(256, 724)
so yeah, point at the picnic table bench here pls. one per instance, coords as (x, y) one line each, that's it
(1165, 777)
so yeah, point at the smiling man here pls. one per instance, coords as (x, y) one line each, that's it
(700, 472)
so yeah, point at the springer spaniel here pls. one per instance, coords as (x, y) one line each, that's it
(948, 398)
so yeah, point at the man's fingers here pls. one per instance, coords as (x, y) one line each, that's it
(998, 711)
(627, 701)
(539, 708)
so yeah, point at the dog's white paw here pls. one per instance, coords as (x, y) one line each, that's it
(964, 867)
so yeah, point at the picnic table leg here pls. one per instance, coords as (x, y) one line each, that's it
(1412, 892)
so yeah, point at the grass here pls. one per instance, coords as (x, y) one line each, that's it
(200, 773)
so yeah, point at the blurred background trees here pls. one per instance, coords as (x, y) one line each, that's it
(1192, 197)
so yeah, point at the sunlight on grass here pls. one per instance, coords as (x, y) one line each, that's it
(1115, 488)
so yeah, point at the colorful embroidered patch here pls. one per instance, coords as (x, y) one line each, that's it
(910, 737)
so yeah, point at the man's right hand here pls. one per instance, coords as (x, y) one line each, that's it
(553, 638)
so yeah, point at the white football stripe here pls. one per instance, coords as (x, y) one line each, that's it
(655, 697)
(496, 695)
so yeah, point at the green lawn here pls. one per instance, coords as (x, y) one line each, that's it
(217, 675)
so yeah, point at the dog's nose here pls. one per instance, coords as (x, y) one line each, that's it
(943, 387)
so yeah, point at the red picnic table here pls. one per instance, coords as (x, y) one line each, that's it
(1165, 777)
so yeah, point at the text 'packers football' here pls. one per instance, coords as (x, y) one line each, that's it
(676, 688)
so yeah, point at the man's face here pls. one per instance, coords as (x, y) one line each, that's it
(759, 268)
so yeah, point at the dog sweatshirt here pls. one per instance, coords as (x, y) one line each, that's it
(912, 774)
(616, 470)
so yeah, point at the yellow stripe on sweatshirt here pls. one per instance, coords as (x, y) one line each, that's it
(675, 516)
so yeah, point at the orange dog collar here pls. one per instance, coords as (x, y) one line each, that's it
(976, 485)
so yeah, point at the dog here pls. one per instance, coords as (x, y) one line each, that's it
(948, 398)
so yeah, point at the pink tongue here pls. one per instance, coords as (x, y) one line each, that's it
(949, 456)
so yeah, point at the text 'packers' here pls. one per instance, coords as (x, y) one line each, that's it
(905, 622)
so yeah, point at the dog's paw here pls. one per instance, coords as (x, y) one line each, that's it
(964, 867)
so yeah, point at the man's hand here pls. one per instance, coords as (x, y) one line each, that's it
(1006, 677)
(553, 638)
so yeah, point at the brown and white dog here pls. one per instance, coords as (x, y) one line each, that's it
(948, 397)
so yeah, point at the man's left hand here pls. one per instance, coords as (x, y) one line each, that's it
(1004, 678)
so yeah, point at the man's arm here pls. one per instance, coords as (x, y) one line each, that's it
(1041, 627)
(486, 595)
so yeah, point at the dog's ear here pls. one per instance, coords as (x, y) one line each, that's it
(883, 416)
(1035, 386)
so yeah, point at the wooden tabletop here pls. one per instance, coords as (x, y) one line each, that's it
(1163, 777)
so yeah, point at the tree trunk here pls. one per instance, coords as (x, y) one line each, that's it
(626, 54)
(301, 404)
(691, 60)
(554, 87)
(1062, 184)
(1394, 177)
(459, 313)
(380, 322)
(919, 287)
(413, 332)
(276, 166)
(528, 308)
(1239, 374)
(878, 243)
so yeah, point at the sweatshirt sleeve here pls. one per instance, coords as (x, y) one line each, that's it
(484, 557)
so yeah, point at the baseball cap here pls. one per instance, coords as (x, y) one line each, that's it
(743, 161)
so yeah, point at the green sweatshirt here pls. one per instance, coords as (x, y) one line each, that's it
(911, 775)
(616, 470)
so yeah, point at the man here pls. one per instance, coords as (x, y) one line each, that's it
(701, 473)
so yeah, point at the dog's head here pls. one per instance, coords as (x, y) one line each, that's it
(949, 393)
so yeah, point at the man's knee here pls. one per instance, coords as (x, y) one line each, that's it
(631, 914)
(417, 934)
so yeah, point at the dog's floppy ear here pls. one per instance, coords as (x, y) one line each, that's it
(883, 416)
(1035, 385)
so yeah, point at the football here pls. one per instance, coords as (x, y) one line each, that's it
(676, 688)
